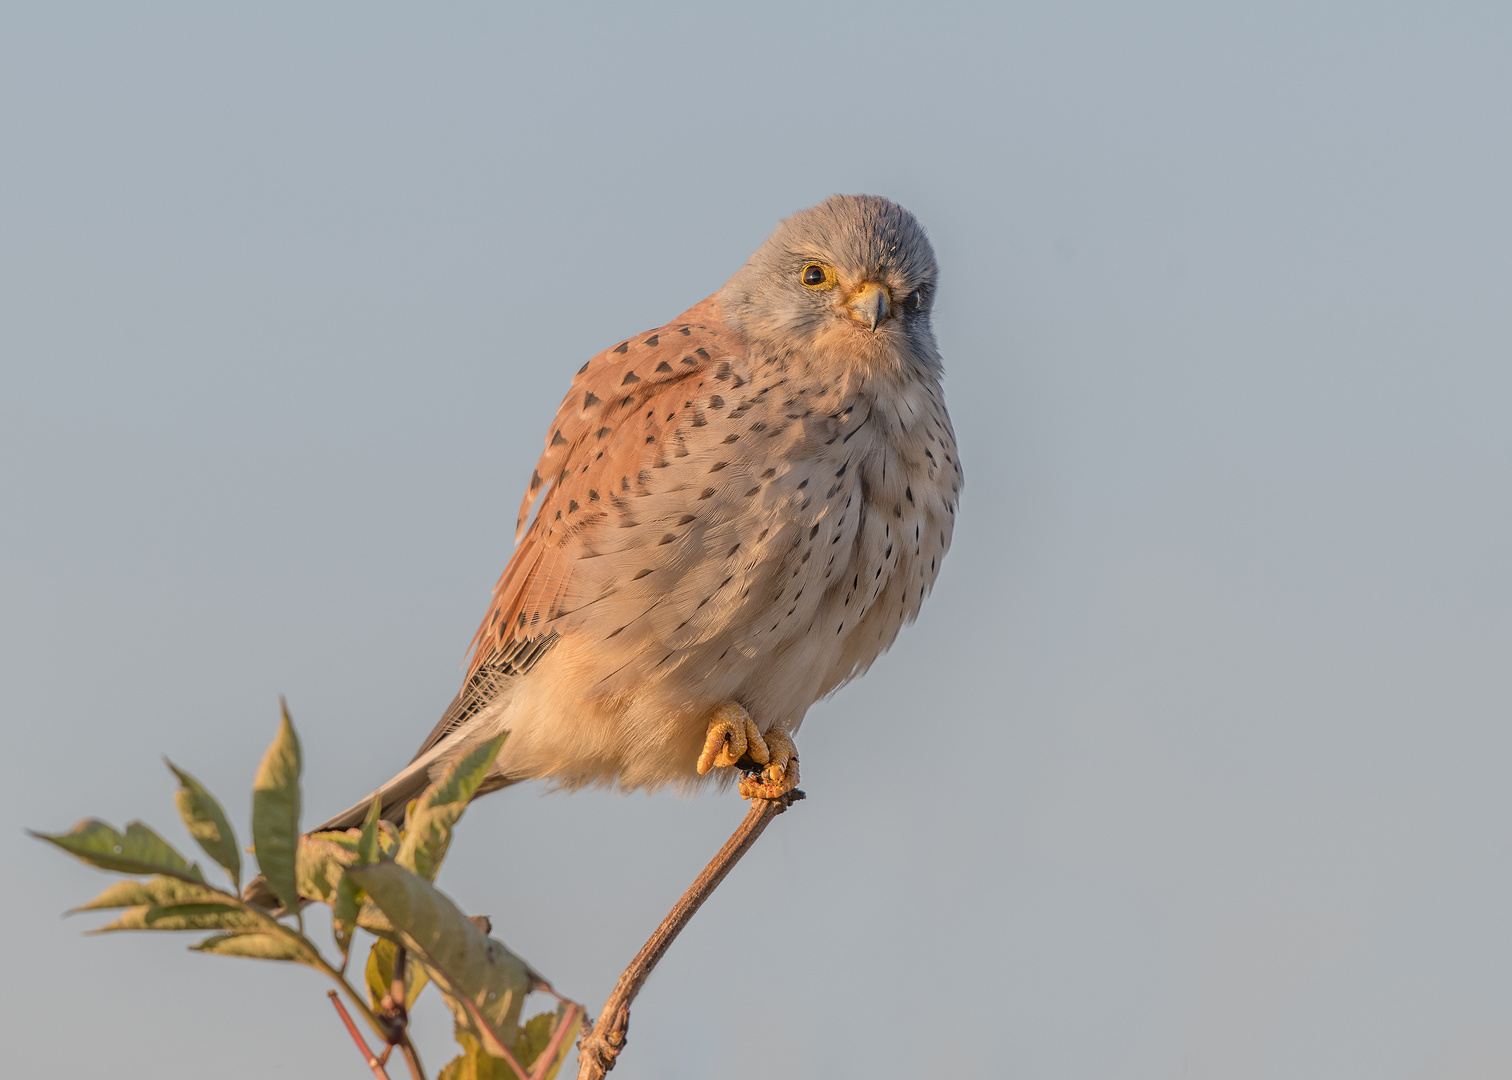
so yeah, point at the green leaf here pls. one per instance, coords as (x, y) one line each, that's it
(138, 851)
(320, 863)
(207, 823)
(185, 917)
(483, 981)
(154, 892)
(275, 814)
(259, 946)
(428, 828)
(380, 975)
(474, 1063)
(349, 896)
(535, 1038)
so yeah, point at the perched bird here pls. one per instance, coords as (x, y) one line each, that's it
(737, 513)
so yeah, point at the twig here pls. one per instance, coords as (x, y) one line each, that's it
(600, 1047)
(346, 1018)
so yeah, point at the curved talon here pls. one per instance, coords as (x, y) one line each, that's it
(732, 736)
(780, 776)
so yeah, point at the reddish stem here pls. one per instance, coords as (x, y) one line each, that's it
(372, 1062)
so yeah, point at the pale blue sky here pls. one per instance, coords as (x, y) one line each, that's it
(1195, 765)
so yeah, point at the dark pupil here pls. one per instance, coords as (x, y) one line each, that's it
(813, 275)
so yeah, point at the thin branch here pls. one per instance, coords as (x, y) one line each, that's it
(599, 1049)
(346, 1018)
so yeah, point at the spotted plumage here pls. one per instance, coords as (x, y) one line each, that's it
(738, 510)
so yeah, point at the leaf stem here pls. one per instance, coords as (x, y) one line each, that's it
(599, 1048)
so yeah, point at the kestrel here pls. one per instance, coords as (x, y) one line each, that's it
(737, 512)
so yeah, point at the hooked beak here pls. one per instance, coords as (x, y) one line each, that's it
(868, 306)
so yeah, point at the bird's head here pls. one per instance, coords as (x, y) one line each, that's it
(849, 282)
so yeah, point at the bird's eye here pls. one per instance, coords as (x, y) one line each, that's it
(817, 276)
(915, 299)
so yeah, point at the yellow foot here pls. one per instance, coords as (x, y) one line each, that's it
(734, 740)
(732, 736)
(781, 773)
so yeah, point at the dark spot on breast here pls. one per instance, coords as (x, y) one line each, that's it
(590, 399)
(684, 330)
(715, 401)
(667, 538)
(601, 432)
(557, 440)
(753, 491)
(803, 484)
(690, 361)
(584, 367)
(730, 438)
(663, 366)
(622, 346)
(708, 493)
(814, 531)
(572, 505)
(685, 519)
(718, 465)
(535, 480)
(769, 474)
(592, 495)
(637, 577)
(653, 339)
(703, 354)
(630, 377)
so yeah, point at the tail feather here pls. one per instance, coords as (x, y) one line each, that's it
(453, 735)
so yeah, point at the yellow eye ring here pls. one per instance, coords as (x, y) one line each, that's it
(817, 276)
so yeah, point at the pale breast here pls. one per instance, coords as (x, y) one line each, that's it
(773, 549)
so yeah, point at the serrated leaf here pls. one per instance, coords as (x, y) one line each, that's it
(379, 974)
(137, 851)
(428, 826)
(483, 981)
(275, 814)
(207, 823)
(154, 892)
(184, 917)
(258, 946)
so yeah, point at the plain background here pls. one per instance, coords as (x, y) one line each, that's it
(1196, 764)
